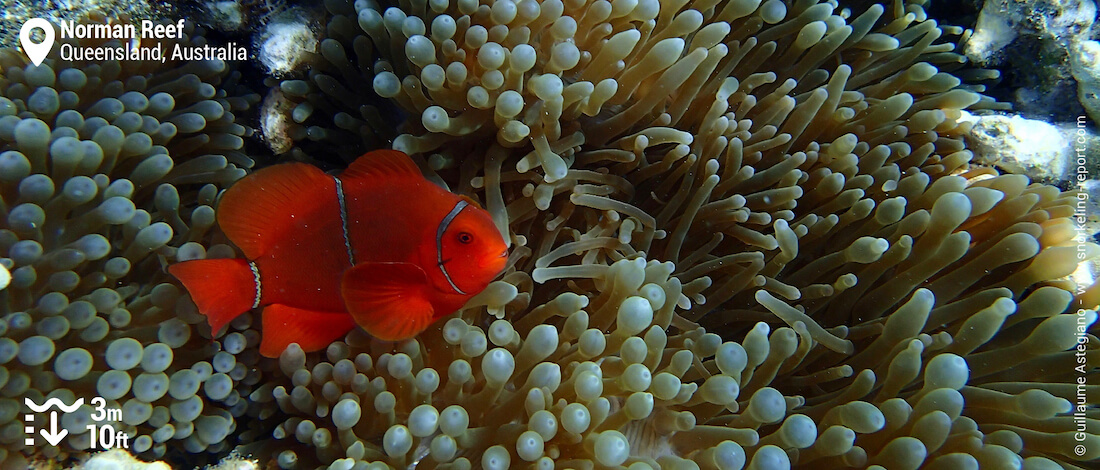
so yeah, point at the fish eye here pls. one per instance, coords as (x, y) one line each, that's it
(465, 238)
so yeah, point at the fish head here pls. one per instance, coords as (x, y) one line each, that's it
(471, 251)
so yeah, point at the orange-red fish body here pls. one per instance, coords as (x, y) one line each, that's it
(378, 246)
(304, 269)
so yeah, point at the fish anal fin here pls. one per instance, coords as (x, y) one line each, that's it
(222, 289)
(312, 330)
(388, 300)
(257, 211)
(382, 164)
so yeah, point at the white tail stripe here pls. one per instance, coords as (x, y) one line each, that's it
(256, 279)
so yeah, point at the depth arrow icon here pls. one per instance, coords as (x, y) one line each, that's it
(54, 436)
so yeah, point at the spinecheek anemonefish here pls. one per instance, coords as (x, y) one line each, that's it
(378, 246)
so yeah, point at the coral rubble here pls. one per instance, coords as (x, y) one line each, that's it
(1047, 46)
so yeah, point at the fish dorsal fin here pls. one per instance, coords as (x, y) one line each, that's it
(312, 330)
(382, 164)
(260, 208)
(470, 200)
(388, 299)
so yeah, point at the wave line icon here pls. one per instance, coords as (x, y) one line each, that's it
(53, 402)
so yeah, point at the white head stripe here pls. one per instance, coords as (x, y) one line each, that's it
(443, 224)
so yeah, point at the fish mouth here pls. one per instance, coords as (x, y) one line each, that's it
(499, 262)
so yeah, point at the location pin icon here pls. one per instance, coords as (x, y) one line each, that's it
(36, 52)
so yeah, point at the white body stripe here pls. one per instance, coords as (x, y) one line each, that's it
(344, 219)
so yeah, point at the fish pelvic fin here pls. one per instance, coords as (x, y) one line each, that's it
(388, 300)
(221, 288)
(382, 164)
(312, 330)
(257, 211)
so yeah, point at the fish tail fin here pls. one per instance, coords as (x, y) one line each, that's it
(312, 330)
(221, 288)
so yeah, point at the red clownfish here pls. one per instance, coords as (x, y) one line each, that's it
(378, 246)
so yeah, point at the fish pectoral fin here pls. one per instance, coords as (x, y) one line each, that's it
(312, 330)
(389, 300)
(260, 209)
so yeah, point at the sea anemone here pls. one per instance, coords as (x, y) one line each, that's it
(744, 234)
(108, 171)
